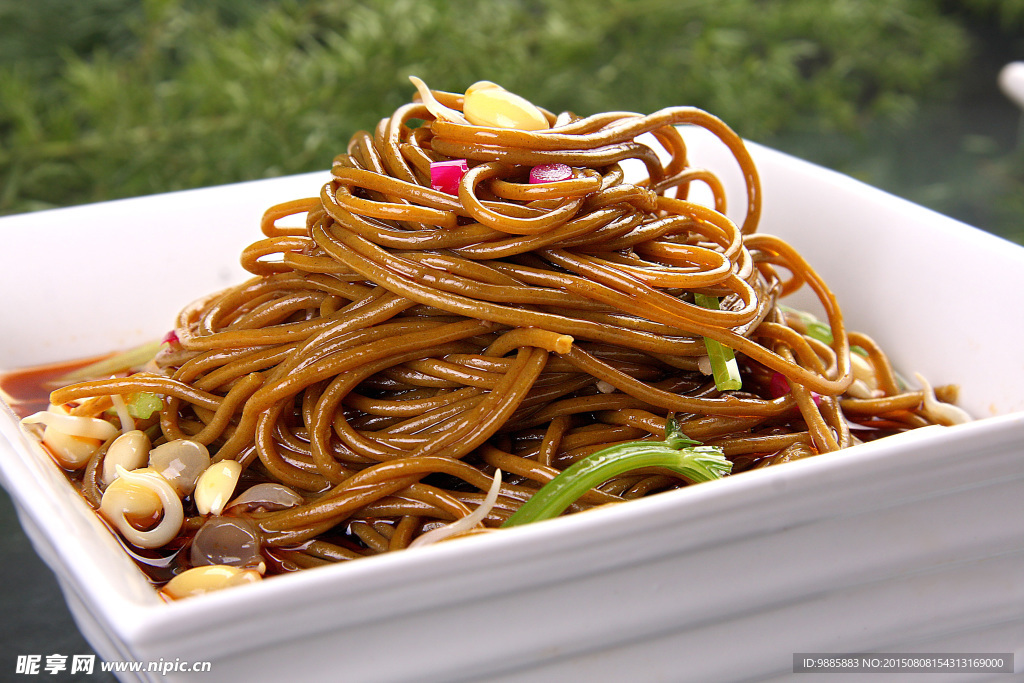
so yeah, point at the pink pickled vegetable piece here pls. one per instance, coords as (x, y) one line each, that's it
(445, 175)
(779, 386)
(170, 338)
(549, 173)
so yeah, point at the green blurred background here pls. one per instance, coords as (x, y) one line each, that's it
(111, 98)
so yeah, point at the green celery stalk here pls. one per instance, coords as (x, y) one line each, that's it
(143, 404)
(126, 360)
(677, 453)
(723, 361)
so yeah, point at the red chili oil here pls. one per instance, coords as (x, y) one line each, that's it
(27, 390)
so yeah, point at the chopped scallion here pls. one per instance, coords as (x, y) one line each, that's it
(820, 331)
(814, 328)
(723, 360)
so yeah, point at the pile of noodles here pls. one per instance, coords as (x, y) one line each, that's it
(389, 356)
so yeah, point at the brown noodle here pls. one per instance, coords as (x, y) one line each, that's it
(391, 353)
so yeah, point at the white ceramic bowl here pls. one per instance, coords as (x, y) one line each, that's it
(913, 543)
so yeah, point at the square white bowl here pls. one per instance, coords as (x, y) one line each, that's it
(912, 543)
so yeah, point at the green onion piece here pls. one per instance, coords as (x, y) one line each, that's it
(723, 361)
(132, 358)
(815, 328)
(859, 350)
(143, 404)
(677, 453)
(820, 331)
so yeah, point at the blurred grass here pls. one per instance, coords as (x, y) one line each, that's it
(111, 98)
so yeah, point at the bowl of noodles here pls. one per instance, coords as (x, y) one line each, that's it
(510, 394)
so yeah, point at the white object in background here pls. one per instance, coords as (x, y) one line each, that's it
(1011, 80)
